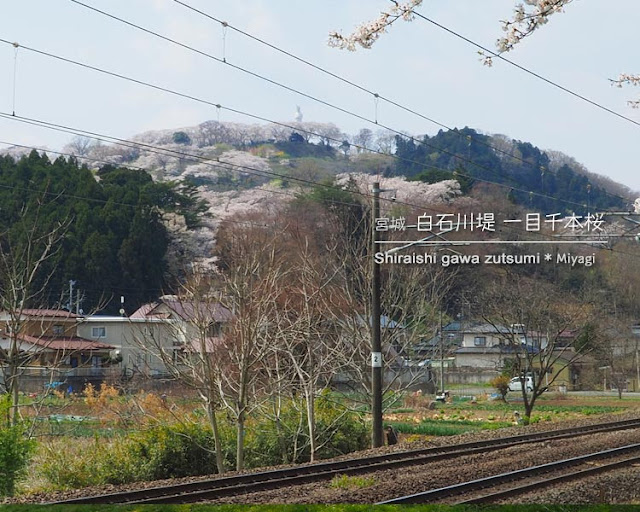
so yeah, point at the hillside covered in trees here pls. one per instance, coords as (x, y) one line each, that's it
(114, 242)
(139, 214)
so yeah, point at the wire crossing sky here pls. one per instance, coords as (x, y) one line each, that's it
(418, 65)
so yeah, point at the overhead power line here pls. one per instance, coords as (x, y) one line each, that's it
(127, 166)
(510, 187)
(528, 71)
(395, 103)
(154, 149)
(284, 86)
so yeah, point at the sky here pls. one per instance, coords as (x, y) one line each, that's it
(416, 64)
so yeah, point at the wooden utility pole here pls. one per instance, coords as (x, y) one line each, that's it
(376, 345)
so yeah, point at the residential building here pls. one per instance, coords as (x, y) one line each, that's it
(51, 351)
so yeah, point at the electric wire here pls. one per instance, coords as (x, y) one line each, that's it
(510, 187)
(125, 166)
(435, 210)
(301, 93)
(368, 90)
(528, 71)
(153, 149)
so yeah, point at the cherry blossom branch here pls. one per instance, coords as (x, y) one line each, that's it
(625, 79)
(369, 32)
(527, 20)
(528, 17)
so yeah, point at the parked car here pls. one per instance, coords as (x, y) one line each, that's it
(516, 385)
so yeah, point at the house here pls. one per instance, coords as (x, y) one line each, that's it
(194, 325)
(50, 349)
(434, 347)
(488, 346)
(158, 334)
(127, 336)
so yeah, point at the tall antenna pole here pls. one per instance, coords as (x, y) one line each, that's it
(71, 284)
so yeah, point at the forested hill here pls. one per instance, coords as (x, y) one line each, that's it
(545, 181)
(132, 231)
(113, 241)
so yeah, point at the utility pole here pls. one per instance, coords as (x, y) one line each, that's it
(376, 345)
(441, 355)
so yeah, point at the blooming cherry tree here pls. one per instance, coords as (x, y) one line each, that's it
(528, 16)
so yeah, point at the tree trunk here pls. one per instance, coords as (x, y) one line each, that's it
(240, 441)
(311, 421)
(15, 400)
(213, 422)
(13, 384)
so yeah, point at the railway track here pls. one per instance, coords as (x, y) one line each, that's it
(212, 489)
(512, 479)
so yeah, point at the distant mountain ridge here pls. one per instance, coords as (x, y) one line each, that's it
(221, 157)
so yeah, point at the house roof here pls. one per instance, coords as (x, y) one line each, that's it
(144, 310)
(187, 310)
(487, 328)
(480, 350)
(49, 313)
(496, 349)
(72, 343)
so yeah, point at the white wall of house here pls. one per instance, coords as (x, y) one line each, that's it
(486, 360)
(479, 340)
(137, 340)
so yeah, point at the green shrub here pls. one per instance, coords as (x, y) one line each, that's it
(15, 452)
(174, 451)
(338, 431)
(170, 451)
(80, 463)
(156, 453)
(351, 482)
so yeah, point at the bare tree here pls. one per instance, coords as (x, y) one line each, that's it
(385, 141)
(25, 250)
(616, 353)
(187, 344)
(362, 139)
(411, 298)
(252, 269)
(306, 338)
(540, 333)
(80, 146)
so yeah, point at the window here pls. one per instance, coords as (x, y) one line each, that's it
(214, 329)
(58, 330)
(98, 332)
(480, 341)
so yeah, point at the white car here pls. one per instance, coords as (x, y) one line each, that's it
(516, 385)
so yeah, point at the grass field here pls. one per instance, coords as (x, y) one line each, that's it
(462, 415)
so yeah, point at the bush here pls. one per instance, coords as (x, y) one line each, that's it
(15, 453)
(83, 462)
(176, 451)
(156, 453)
(338, 431)
(501, 383)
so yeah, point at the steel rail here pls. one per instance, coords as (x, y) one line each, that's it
(511, 476)
(576, 475)
(252, 482)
